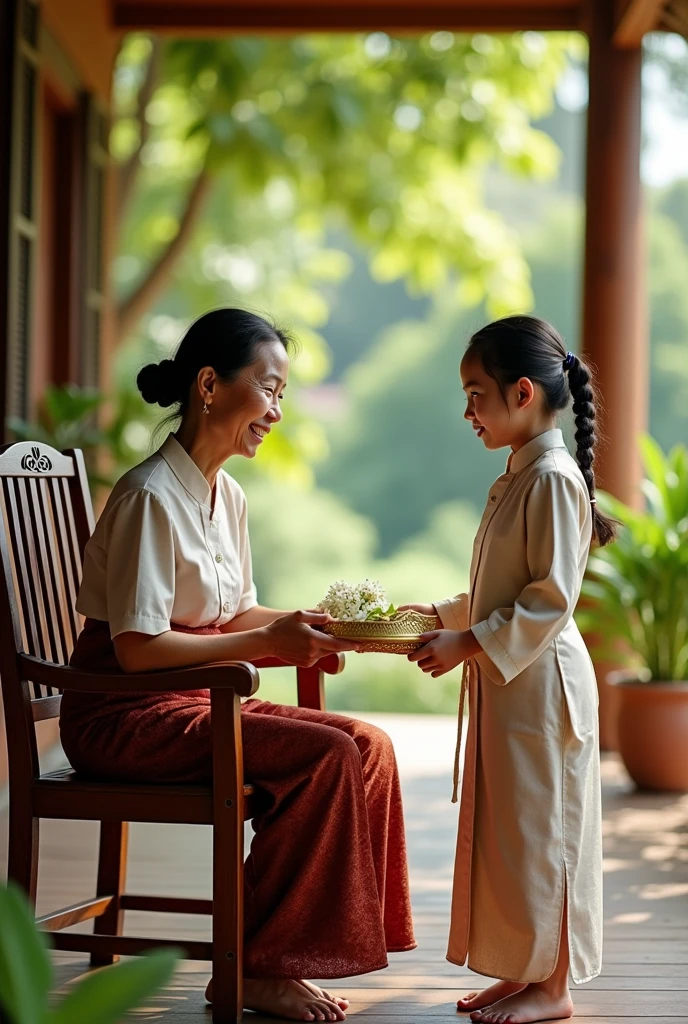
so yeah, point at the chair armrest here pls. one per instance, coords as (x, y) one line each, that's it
(331, 664)
(239, 676)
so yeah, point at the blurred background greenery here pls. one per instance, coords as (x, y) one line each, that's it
(382, 197)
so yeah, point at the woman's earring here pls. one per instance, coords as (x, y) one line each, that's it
(206, 410)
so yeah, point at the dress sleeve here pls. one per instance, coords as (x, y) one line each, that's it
(513, 638)
(140, 565)
(248, 597)
(453, 612)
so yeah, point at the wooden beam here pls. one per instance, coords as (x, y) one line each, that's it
(341, 16)
(635, 19)
(675, 17)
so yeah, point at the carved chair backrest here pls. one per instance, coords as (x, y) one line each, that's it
(46, 518)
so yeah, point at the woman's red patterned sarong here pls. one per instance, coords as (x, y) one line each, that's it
(326, 883)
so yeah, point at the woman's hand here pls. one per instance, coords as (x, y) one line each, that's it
(293, 639)
(422, 609)
(445, 649)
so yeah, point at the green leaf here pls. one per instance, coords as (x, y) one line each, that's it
(70, 403)
(378, 615)
(102, 997)
(374, 615)
(636, 590)
(25, 969)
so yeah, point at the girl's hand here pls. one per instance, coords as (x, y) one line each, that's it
(292, 638)
(422, 609)
(444, 649)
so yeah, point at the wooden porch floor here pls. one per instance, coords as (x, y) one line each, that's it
(646, 897)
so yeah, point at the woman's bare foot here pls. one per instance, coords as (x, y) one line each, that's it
(488, 996)
(292, 1000)
(343, 1004)
(533, 1003)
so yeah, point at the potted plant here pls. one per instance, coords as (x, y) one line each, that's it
(636, 594)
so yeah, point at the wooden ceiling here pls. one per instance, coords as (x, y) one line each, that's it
(633, 18)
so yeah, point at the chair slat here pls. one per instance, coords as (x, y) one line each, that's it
(23, 548)
(64, 615)
(26, 607)
(46, 574)
(72, 536)
(71, 581)
(9, 552)
(32, 557)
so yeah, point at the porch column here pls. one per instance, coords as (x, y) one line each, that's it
(615, 328)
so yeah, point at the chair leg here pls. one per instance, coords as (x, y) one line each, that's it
(228, 923)
(112, 873)
(22, 854)
(228, 858)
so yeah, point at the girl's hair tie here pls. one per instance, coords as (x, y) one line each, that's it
(568, 361)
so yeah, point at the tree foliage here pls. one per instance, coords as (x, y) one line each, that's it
(402, 447)
(667, 54)
(387, 137)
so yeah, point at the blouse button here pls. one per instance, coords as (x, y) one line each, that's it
(218, 557)
(226, 606)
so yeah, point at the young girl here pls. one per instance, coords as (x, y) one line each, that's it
(527, 899)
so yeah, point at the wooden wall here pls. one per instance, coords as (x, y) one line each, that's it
(83, 29)
(54, 307)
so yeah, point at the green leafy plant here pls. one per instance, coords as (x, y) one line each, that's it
(26, 975)
(67, 418)
(636, 590)
(380, 615)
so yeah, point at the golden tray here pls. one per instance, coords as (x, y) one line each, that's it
(399, 635)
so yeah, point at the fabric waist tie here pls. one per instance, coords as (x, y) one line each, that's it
(465, 681)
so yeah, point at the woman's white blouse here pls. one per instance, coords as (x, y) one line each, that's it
(160, 554)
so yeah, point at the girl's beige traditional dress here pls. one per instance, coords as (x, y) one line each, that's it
(530, 819)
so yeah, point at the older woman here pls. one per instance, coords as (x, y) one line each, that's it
(167, 583)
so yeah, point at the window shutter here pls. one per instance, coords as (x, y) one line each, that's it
(94, 135)
(21, 47)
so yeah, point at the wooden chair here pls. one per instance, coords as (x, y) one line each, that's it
(47, 518)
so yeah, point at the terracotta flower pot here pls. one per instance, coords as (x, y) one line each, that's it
(653, 732)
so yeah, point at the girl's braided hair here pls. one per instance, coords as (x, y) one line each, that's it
(525, 346)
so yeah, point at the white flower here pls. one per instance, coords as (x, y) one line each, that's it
(353, 601)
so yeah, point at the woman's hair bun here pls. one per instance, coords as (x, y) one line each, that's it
(159, 382)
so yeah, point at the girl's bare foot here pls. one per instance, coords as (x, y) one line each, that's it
(533, 1003)
(488, 996)
(292, 1000)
